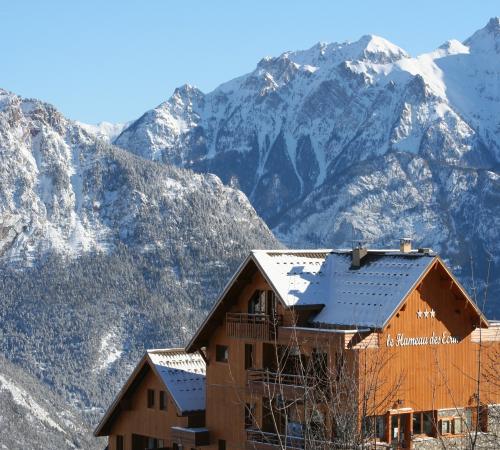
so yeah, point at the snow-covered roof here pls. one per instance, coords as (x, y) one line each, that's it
(183, 375)
(366, 296)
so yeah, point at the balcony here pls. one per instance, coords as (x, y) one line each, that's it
(261, 440)
(264, 382)
(191, 437)
(252, 326)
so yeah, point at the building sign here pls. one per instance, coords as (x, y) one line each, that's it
(400, 340)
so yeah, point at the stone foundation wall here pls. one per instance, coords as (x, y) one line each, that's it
(485, 441)
(494, 420)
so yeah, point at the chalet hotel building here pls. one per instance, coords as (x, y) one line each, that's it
(323, 349)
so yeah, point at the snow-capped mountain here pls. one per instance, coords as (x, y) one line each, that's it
(354, 136)
(104, 254)
(65, 191)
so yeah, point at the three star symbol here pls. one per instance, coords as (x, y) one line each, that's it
(426, 314)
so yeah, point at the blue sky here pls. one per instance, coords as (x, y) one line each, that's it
(113, 60)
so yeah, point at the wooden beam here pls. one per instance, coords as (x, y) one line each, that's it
(202, 353)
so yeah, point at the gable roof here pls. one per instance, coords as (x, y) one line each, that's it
(366, 296)
(182, 374)
(363, 297)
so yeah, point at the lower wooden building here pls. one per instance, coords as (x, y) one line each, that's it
(161, 406)
(324, 349)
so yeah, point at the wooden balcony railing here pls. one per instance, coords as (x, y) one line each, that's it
(266, 383)
(282, 441)
(265, 376)
(252, 326)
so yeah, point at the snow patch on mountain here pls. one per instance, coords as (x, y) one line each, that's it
(111, 349)
(104, 130)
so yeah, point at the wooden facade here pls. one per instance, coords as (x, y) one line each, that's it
(429, 372)
(427, 354)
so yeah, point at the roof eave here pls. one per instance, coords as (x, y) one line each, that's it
(191, 346)
(465, 294)
(412, 288)
(268, 280)
(437, 260)
(103, 422)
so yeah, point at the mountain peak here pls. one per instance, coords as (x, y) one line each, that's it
(493, 24)
(486, 39)
(378, 49)
(186, 94)
(187, 90)
(453, 47)
(369, 47)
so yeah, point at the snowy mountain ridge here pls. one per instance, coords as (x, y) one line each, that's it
(104, 130)
(419, 138)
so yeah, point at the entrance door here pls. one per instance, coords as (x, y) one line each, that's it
(400, 431)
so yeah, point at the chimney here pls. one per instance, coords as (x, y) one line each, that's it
(358, 253)
(405, 245)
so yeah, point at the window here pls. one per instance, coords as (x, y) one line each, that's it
(257, 304)
(161, 443)
(119, 442)
(152, 443)
(248, 356)
(163, 400)
(427, 423)
(445, 426)
(175, 446)
(221, 353)
(450, 425)
(422, 423)
(294, 429)
(249, 415)
(151, 398)
(320, 366)
(262, 302)
(222, 445)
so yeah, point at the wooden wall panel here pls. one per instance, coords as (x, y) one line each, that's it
(441, 373)
(139, 419)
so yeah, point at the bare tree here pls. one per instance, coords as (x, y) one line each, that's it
(317, 394)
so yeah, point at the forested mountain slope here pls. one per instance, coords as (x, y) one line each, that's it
(32, 417)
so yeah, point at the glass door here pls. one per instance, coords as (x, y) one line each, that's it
(400, 431)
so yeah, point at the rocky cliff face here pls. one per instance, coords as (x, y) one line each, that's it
(354, 136)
